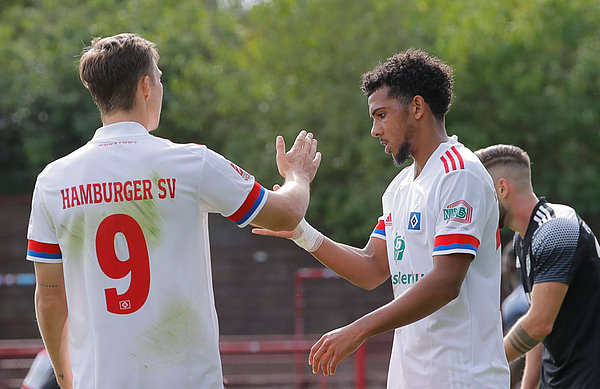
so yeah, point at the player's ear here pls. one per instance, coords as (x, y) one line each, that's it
(144, 86)
(418, 106)
(503, 187)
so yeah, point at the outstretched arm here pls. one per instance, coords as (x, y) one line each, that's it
(286, 207)
(51, 312)
(366, 267)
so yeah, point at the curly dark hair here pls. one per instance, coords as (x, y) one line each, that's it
(410, 73)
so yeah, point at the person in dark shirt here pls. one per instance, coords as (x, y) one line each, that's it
(558, 256)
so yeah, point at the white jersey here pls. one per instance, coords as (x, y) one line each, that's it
(451, 207)
(127, 215)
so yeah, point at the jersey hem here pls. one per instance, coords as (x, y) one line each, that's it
(456, 251)
(378, 236)
(42, 260)
(259, 207)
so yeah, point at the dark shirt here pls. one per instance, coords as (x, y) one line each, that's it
(559, 247)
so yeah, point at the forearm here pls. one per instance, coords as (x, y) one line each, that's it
(533, 367)
(52, 316)
(431, 293)
(286, 206)
(359, 266)
(521, 338)
(296, 190)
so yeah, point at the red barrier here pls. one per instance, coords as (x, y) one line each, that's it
(299, 346)
(360, 355)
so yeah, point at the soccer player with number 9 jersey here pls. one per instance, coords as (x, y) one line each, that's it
(119, 234)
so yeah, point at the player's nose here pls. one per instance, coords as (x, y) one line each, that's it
(375, 130)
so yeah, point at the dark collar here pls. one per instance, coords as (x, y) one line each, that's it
(533, 225)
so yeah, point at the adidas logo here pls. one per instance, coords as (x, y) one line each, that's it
(388, 220)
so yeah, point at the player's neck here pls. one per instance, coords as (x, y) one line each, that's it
(521, 211)
(436, 135)
(124, 116)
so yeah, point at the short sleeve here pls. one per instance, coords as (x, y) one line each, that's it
(42, 243)
(229, 190)
(553, 248)
(463, 210)
(379, 230)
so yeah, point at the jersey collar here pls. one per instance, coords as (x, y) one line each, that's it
(533, 224)
(119, 130)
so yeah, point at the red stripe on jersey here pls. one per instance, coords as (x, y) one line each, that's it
(445, 240)
(451, 160)
(445, 163)
(460, 160)
(248, 204)
(40, 247)
(380, 225)
(498, 238)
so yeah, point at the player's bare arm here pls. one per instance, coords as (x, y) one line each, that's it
(532, 328)
(533, 367)
(51, 312)
(367, 267)
(286, 207)
(431, 293)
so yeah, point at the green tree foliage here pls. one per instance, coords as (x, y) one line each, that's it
(237, 73)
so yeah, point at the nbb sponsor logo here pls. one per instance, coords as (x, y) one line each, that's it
(459, 211)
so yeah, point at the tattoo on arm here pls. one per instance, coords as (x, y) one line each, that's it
(62, 376)
(48, 285)
(521, 340)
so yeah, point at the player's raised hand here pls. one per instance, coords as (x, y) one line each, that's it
(334, 346)
(303, 158)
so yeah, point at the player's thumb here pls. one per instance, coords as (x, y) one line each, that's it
(280, 146)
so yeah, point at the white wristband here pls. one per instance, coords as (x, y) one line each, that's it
(307, 237)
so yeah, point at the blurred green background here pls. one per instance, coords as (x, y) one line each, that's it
(238, 73)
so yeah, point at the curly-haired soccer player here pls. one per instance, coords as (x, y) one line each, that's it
(437, 242)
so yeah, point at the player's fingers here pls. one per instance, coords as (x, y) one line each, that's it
(308, 139)
(261, 231)
(280, 145)
(300, 140)
(333, 363)
(325, 362)
(317, 158)
(313, 350)
(313, 147)
(266, 232)
(317, 358)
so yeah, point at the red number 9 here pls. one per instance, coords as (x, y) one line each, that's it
(137, 264)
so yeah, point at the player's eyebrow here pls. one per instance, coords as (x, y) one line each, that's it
(375, 110)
